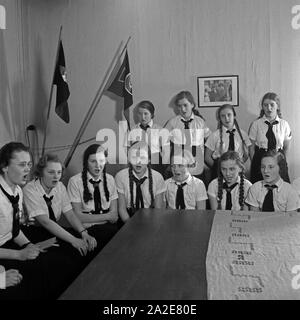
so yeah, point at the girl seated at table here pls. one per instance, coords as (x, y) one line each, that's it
(228, 137)
(46, 199)
(272, 193)
(184, 191)
(229, 190)
(93, 195)
(139, 186)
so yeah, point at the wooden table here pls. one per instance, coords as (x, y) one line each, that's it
(157, 255)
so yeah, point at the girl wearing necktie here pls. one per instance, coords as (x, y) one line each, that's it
(272, 193)
(46, 199)
(228, 137)
(148, 131)
(229, 190)
(187, 130)
(33, 278)
(269, 132)
(184, 191)
(93, 195)
(139, 186)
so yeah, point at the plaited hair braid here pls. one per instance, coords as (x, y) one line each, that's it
(87, 196)
(242, 191)
(150, 185)
(131, 186)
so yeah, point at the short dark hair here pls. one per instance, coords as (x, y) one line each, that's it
(7, 153)
(146, 104)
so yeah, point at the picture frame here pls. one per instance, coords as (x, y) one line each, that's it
(214, 91)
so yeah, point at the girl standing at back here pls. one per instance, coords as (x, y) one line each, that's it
(269, 132)
(228, 137)
(148, 131)
(139, 186)
(188, 130)
(229, 190)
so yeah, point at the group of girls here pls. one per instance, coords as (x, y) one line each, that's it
(31, 215)
(94, 201)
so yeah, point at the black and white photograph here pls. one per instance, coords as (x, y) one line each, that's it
(149, 155)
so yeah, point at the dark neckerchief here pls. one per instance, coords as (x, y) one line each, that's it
(14, 200)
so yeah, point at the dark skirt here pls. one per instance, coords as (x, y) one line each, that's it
(34, 283)
(214, 170)
(103, 233)
(63, 263)
(256, 163)
(40, 281)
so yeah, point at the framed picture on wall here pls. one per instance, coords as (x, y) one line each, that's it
(215, 91)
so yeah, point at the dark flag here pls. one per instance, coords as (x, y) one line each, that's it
(62, 88)
(121, 85)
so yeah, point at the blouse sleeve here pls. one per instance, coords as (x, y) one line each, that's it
(73, 191)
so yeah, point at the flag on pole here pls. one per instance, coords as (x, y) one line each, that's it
(62, 88)
(121, 85)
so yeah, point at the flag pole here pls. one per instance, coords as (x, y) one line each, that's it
(51, 92)
(94, 104)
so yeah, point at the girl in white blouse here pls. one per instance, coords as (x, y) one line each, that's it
(228, 137)
(139, 186)
(229, 190)
(269, 132)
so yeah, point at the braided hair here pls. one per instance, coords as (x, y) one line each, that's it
(140, 145)
(92, 149)
(271, 96)
(220, 126)
(231, 155)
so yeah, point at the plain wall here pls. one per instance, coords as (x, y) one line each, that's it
(172, 43)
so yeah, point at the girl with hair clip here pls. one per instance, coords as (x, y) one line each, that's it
(46, 199)
(188, 130)
(228, 137)
(269, 132)
(272, 193)
(139, 186)
(229, 190)
(148, 131)
(31, 274)
(93, 195)
(184, 191)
